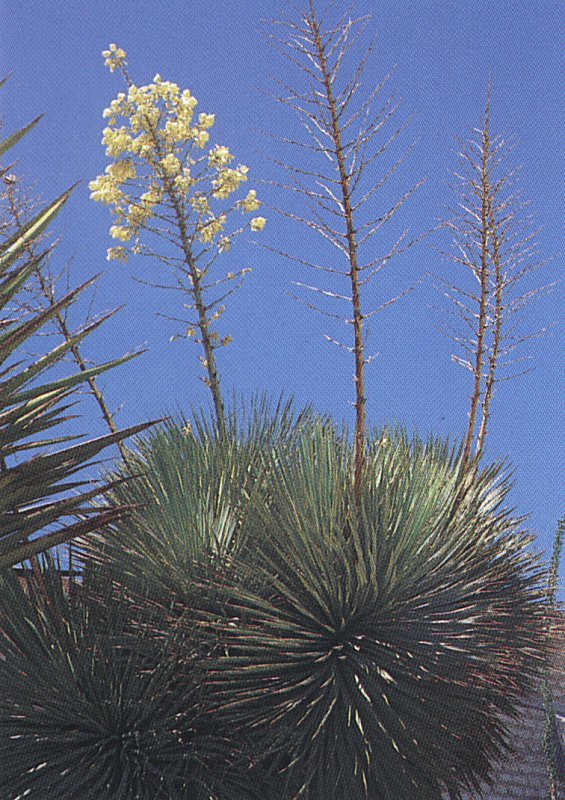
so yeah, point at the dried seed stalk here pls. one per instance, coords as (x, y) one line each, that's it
(342, 133)
(493, 239)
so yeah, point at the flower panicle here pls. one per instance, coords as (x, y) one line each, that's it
(152, 138)
(167, 180)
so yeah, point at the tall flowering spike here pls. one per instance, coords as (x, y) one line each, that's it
(173, 196)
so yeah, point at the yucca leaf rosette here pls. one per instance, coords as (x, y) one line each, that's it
(373, 653)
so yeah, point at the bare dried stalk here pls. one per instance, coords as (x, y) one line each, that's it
(492, 238)
(342, 129)
(551, 739)
(47, 289)
(486, 201)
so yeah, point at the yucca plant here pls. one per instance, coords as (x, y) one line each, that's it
(365, 656)
(89, 710)
(35, 493)
(372, 653)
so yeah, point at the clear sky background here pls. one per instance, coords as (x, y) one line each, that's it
(444, 50)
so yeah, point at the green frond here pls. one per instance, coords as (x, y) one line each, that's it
(12, 140)
(30, 519)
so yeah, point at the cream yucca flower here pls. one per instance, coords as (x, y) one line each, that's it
(114, 57)
(251, 203)
(118, 254)
(210, 229)
(139, 214)
(177, 131)
(219, 156)
(228, 181)
(206, 120)
(200, 204)
(158, 184)
(143, 147)
(105, 190)
(122, 171)
(171, 165)
(188, 100)
(120, 232)
(201, 138)
(120, 107)
(152, 196)
(117, 141)
(184, 181)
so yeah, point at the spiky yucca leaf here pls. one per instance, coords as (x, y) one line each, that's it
(31, 500)
(89, 710)
(194, 487)
(372, 653)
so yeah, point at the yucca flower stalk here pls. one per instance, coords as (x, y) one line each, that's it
(170, 193)
(338, 175)
(494, 240)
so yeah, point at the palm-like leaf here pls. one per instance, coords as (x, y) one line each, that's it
(31, 500)
(372, 653)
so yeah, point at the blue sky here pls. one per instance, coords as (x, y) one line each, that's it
(444, 52)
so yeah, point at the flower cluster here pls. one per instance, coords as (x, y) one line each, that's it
(258, 223)
(153, 139)
(114, 58)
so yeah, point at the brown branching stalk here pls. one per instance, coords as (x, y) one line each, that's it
(336, 176)
(551, 740)
(18, 206)
(493, 239)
